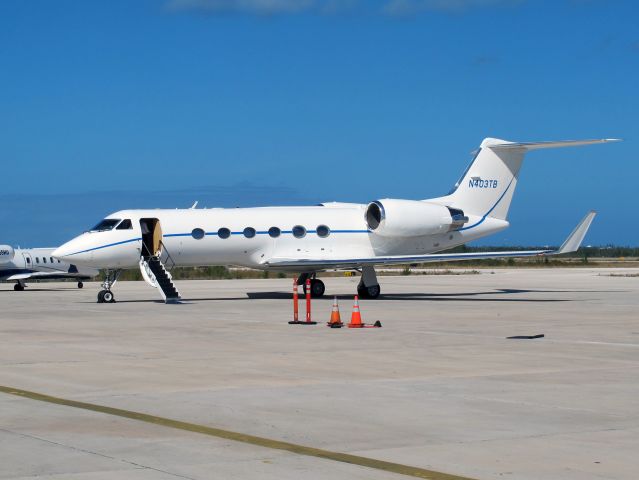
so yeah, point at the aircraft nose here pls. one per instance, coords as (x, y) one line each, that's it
(74, 251)
(62, 252)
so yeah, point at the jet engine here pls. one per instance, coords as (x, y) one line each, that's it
(6, 253)
(410, 218)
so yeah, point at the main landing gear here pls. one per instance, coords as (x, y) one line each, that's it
(317, 286)
(19, 286)
(106, 295)
(368, 292)
(80, 284)
(368, 286)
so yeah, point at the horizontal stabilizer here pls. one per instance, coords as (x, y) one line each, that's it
(538, 145)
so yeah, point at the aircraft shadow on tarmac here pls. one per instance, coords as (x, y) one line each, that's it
(460, 296)
(32, 289)
(433, 297)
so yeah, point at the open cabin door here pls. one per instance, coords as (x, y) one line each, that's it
(153, 270)
(151, 237)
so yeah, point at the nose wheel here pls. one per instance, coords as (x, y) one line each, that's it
(106, 296)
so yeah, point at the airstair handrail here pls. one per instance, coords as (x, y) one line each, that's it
(169, 263)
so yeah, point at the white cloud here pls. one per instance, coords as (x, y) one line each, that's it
(261, 7)
(332, 7)
(411, 7)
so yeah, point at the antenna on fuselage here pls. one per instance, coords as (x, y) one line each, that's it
(194, 205)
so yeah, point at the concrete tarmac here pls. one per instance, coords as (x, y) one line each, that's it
(438, 387)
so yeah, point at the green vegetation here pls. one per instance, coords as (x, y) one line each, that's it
(203, 273)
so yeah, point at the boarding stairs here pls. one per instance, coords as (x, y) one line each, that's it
(155, 273)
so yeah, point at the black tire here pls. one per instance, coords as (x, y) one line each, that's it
(18, 288)
(374, 291)
(317, 288)
(371, 292)
(101, 296)
(80, 284)
(108, 296)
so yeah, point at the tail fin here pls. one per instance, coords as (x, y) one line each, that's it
(487, 186)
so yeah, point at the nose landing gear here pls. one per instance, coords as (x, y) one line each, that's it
(106, 295)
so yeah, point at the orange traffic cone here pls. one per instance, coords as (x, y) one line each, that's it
(356, 317)
(336, 320)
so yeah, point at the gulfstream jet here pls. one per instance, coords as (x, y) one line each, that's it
(309, 240)
(21, 264)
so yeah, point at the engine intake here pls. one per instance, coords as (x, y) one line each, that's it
(410, 218)
(6, 253)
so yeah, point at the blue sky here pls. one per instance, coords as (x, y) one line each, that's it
(153, 103)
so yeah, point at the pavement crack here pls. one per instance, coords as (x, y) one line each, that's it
(91, 452)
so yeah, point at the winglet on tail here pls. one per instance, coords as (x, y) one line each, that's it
(573, 242)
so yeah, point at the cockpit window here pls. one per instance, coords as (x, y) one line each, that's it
(106, 225)
(125, 225)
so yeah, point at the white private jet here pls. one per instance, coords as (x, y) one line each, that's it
(21, 264)
(312, 239)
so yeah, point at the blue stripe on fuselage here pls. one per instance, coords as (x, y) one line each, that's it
(212, 234)
(105, 246)
(489, 211)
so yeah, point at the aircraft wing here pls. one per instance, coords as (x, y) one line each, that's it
(18, 276)
(572, 244)
(54, 274)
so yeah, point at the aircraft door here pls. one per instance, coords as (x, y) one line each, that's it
(28, 261)
(151, 237)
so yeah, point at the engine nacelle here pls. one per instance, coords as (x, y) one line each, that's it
(6, 253)
(410, 218)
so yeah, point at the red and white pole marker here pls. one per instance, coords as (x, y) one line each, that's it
(296, 315)
(308, 303)
(296, 307)
(308, 300)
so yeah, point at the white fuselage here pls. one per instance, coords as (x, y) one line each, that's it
(181, 229)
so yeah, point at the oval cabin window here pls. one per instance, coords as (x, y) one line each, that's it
(323, 231)
(299, 231)
(274, 232)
